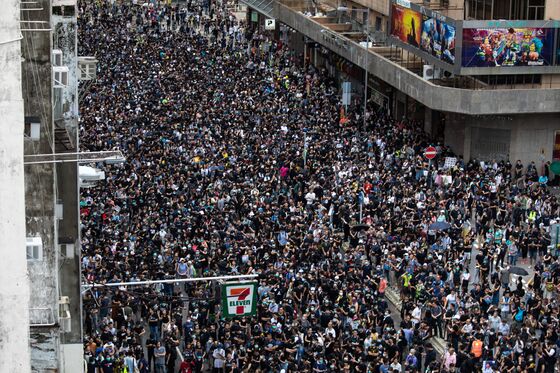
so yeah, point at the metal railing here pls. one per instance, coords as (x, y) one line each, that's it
(41, 316)
(266, 7)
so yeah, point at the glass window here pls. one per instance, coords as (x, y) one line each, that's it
(501, 9)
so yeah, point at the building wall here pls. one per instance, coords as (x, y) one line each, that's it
(529, 137)
(552, 9)
(65, 39)
(44, 350)
(447, 99)
(40, 197)
(378, 8)
(14, 283)
(454, 9)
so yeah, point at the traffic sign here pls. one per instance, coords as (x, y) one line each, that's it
(239, 299)
(430, 152)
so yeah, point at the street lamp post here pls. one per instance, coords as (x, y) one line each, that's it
(366, 68)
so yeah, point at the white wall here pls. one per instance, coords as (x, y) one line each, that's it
(72, 358)
(14, 283)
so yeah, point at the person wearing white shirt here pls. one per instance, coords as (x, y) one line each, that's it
(416, 315)
(219, 355)
(494, 320)
(396, 366)
(310, 197)
(504, 328)
(329, 330)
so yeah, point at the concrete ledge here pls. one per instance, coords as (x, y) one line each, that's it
(341, 27)
(448, 99)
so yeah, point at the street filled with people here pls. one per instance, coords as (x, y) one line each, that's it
(241, 160)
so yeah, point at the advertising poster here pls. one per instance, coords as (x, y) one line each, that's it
(438, 39)
(406, 25)
(491, 47)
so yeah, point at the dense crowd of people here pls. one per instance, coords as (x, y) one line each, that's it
(239, 160)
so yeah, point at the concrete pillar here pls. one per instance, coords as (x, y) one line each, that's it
(14, 283)
(552, 9)
(550, 81)
(428, 120)
(467, 143)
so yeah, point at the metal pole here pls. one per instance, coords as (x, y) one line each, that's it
(151, 282)
(429, 173)
(366, 68)
(361, 204)
(305, 147)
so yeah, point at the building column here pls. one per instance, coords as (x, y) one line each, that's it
(14, 282)
(428, 120)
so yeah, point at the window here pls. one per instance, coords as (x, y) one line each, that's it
(34, 246)
(512, 80)
(377, 23)
(60, 76)
(535, 10)
(506, 9)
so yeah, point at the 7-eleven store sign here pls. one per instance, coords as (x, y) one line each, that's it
(239, 299)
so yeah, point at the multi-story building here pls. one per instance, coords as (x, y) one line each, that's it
(14, 285)
(483, 76)
(40, 296)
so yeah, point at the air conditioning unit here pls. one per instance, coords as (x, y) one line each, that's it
(89, 176)
(64, 299)
(431, 72)
(33, 128)
(65, 318)
(60, 76)
(57, 57)
(87, 67)
(447, 75)
(34, 248)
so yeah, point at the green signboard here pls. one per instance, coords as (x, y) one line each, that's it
(239, 299)
(254, 16)
(555, 167)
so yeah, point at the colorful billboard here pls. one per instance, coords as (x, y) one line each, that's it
(406, 25)
(492, 47)
(438, 39)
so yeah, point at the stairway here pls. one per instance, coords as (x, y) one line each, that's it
(62, 141)
(266, 7)
(392, 294)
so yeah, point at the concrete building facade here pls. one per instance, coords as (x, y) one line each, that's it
(14, 281)
(489, 116)
(49, 121)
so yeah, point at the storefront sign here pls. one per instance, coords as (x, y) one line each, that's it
(404, 3)
(270, 24)
(239, 299)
